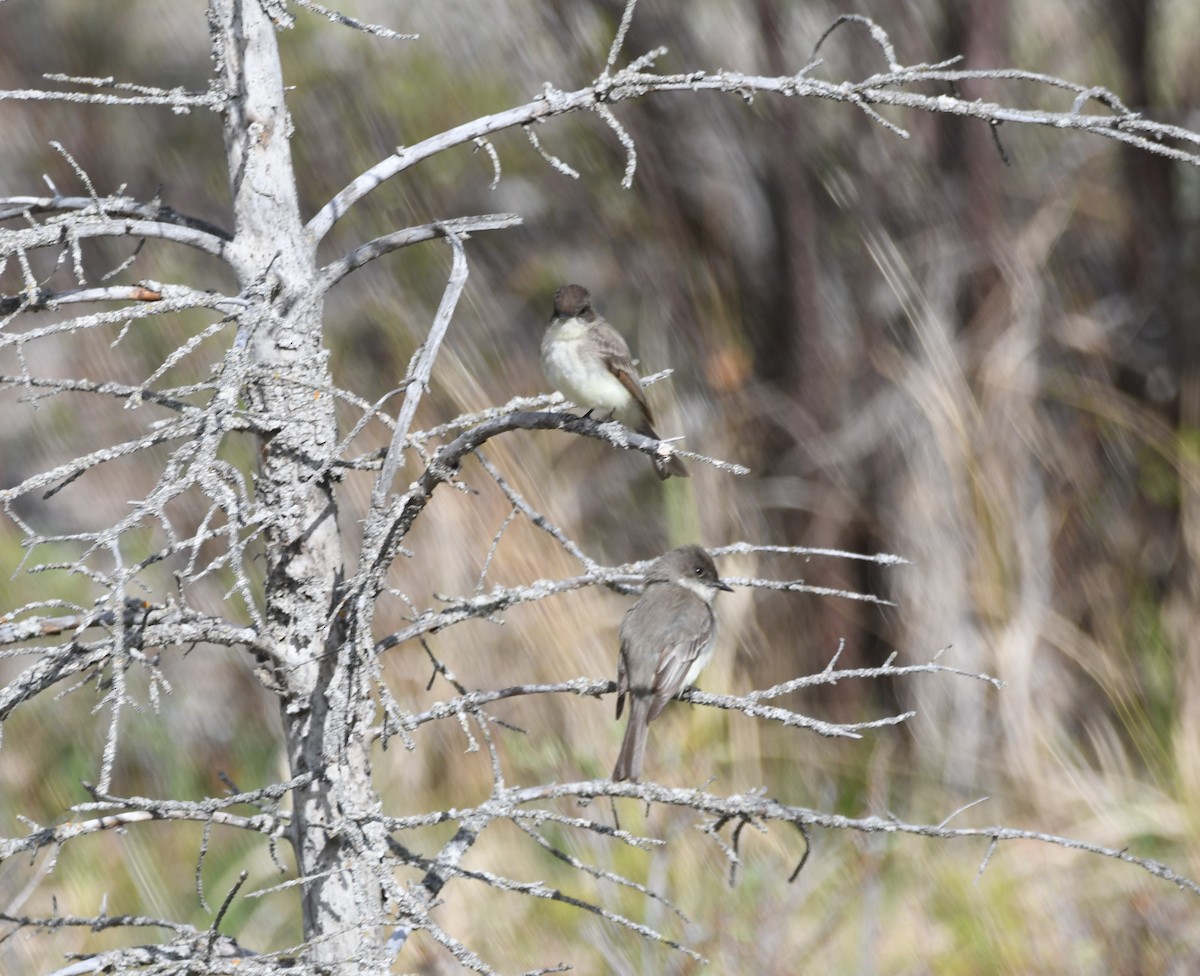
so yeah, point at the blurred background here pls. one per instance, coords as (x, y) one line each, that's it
(972, 349)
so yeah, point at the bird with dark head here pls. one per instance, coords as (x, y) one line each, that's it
(667, 639)
(589, 362)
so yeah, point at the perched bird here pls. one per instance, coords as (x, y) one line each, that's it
(666, 641)
(588, 362)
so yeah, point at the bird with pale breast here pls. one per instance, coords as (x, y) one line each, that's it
(589, 362)
(667, 639)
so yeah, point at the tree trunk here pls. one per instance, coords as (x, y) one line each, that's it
(325, 700)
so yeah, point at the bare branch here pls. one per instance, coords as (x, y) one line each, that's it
(486, 146)
(879, 89)
(619, 37)
(179, 626)
(536, 517)
(463, 227)
(765, 810)
(626, 141)
(419, 372)
(747, 548)
(555, 162)
(110, 206)
(43, 299)
(165, 627)
(177, 99)
(119, 391)
(488, 605)
(343, 20)
(446, 462)
(485, 605)
(120, 812)
(59, 231)
(472, 701)
(877, 34)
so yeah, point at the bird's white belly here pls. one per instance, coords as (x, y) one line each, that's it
(707, 594)
(700, 663)
(581, 377)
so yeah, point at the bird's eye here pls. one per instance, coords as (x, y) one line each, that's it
(699, 570)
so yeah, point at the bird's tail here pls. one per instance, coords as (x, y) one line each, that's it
(633, 746)
(664, 466)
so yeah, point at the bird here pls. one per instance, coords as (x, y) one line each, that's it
(588, 361)
(667, 639)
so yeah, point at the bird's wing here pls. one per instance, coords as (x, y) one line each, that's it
(692, 632)
(616, 356)
(622, 680)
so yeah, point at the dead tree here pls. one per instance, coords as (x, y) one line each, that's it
(304, 594)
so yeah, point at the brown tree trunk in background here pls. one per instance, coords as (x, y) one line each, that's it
(1151, 255)
(1158, 271)
(1153, 268)
(804, 367)
(969, 158)
(790, 339)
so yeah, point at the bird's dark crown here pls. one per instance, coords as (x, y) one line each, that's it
(686, 563)
(571, 300)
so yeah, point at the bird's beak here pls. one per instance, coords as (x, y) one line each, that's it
(722, 585)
